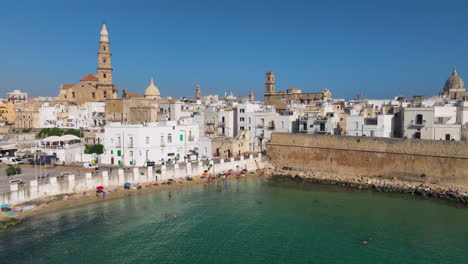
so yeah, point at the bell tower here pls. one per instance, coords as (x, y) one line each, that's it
(270, 82)
(104, 69)
(198, 92)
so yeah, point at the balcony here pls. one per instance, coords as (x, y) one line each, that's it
(417, 124)
(261, 125)
(210, 123)
(221, 124)
(271, 127)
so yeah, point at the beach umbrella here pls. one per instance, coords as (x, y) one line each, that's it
(127, 184)
(99, 188)
(244, 170)
(205, 174)
(171, 180)
(231, 171)
(5, 206)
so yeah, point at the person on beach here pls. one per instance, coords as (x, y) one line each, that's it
(170, 194)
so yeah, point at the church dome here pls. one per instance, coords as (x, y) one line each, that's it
(152, 90)
(294, 90)
(454, 82)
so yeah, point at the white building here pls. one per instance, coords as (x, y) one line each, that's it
(88, 115)
(382, 126)
(164, 141)
(66, 148)
(437, 123)
(17, 97)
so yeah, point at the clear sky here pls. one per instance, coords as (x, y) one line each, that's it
(381, 48)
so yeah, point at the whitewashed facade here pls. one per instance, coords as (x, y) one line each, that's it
(164, 141)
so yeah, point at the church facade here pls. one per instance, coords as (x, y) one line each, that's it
(93, 88)
(279, 99)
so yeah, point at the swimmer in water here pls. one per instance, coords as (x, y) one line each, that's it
(170, 194)
(365, 242)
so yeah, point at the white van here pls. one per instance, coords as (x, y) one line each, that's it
(11, 160)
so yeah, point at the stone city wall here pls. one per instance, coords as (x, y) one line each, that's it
(89, 181)
(424, 160)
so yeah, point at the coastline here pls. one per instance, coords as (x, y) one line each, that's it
(73, 200)
(377, 184)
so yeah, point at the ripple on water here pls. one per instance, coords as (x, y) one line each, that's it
(247, 222)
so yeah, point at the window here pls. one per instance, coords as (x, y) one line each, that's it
(282, 124)
(147, 140)
(104, 48)
(169, 138)
(242, 128)
(93, 94)
(73, 94)
(322, 127)
(419, 119)
(447, 136)
(372, 133)
(105, 94)
(242, 119)
(417, 135)
(242, 110)
(304, 126)
(104, 75)
(249, 120)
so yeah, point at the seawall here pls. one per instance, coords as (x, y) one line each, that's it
(439, 162)
(75, 183)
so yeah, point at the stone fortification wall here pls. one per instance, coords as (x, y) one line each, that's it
(422, 160)
(89, 181)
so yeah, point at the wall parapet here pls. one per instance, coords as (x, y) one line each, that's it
(110, 179)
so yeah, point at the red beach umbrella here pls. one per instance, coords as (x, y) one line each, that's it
(99, 188)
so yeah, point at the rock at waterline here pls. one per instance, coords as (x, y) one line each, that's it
(9, 222)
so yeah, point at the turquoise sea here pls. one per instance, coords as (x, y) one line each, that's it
(250, 221)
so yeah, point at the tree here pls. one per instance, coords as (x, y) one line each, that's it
(12, 170)
(96, 148)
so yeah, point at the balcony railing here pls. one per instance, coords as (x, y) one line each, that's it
(418, 124)
(261, 125)
(221, 124)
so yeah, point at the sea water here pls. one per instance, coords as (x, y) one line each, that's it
(249, 221)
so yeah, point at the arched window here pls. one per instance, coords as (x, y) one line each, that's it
(104, 75)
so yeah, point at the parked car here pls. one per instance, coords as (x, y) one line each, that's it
(11, 160)
(90, 166)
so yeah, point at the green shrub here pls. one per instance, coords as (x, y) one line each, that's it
(47, 132)
(97, 149)
(12, 170)
(158, 171)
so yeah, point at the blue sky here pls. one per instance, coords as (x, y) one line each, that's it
(380, 48)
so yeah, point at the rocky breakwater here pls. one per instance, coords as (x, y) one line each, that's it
(377, 184)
